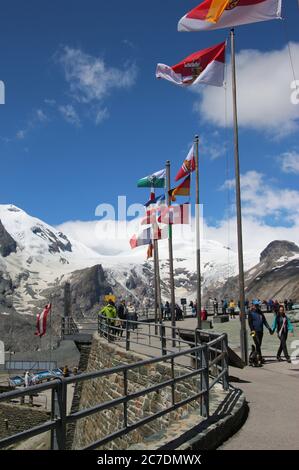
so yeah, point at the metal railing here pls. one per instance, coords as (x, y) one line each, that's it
(206, 356)
(30, 365)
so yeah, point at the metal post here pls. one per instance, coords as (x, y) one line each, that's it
(61, 424)
(170, 249)
(173, 384)
(127, 336)
(225, 363)
(125, 395)
(243, 333)
(156, 254)
(163, 339)
(205, 381)
(197, 218)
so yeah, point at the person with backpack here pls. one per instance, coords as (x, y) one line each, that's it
(257, 321)
(282, 326)
(109, 313)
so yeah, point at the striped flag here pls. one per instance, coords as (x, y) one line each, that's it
(41, 321)
(147, 236)
(216, 14)
(150, 217)
(175, 215)
(206, 66)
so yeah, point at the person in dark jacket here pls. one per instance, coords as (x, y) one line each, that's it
(257, 321)
(283, 326)
(122, 315)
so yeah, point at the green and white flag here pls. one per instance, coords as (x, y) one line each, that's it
(156, 180)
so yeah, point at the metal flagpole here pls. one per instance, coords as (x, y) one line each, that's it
(197, 234)
(243, 333)
(157, 272)
(170, 249)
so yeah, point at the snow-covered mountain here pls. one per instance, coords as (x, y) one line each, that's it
(36, 256)
(36, 260)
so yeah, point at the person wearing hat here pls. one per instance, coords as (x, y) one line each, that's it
(257, 321)
(109, 313)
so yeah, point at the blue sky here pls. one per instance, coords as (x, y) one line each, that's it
(65, 148)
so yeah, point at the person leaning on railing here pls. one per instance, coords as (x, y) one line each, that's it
(109, 312)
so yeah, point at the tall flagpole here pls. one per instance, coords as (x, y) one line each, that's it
(170, 249)
(157, 274)
(197, 222)
(243, 333)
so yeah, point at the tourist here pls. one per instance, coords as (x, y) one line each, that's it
(131, 312)
(204, 314)
(232, 307)
(122, 315)
(257, 321)
(178, 312)
(109, 313)
(167, 311)
(66, 372)
(283, 326)
(27, 379)
(224, 306)
(215, 306)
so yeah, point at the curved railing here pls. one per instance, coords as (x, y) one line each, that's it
(204, 358)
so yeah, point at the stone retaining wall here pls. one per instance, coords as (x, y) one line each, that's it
(19, 418)
(104, 355)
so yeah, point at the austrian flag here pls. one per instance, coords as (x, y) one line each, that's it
(206, 66)
(41, 321)
(216, 14)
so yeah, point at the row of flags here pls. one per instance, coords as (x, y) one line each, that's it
(207, 67)
(156, 209)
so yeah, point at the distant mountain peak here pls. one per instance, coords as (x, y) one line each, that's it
(7, 244)
(279, 248)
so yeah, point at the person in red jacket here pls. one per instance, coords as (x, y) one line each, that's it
(204, 314)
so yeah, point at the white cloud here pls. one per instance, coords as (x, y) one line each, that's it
(38, 117)
(69, 114)
(91, 80)
(264, 93)
(290, 162)
(261, 199)
(21, 134)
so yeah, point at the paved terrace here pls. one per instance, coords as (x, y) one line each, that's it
(271, 391)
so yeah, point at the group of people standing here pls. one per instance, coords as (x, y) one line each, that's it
(118, 317)
(281, 325)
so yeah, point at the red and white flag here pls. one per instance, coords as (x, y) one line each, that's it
(216, 14)
(41, 321)
(175, 215)
(149, 218)
(206, 66)
(188, 165)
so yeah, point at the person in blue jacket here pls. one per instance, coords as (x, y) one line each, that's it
(283, 326)
(257, 321)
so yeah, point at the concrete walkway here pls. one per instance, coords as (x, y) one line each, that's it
(272, 394)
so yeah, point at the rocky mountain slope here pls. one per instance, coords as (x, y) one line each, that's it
(276, 276)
